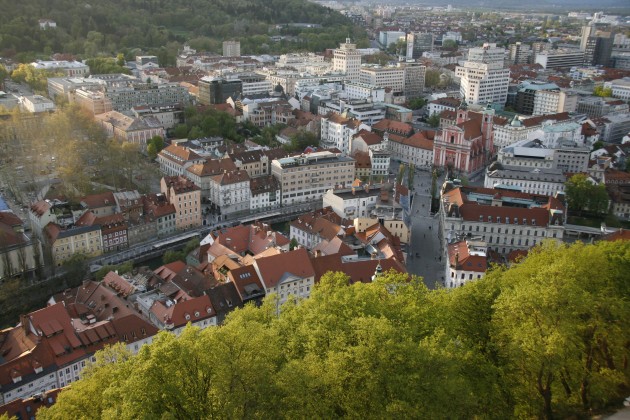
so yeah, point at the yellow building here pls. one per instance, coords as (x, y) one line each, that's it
(64, 244)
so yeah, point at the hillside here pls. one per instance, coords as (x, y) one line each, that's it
(547, 338)
(111, 26)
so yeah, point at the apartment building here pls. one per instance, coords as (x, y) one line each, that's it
(229, 192)
(541, 181)
(385, 77)
(467, 261)
(265, 193)
(307, 177)
(185, 196)
(64, 243)
(174, 160)
(137, 131)
(124, 98)
(19, 255)
(483, 79)
(337, 131)
(560, 58)
(347, 60)
(505, 220)
(416, 150)
(620, 88)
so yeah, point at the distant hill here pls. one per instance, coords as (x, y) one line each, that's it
(89, 27)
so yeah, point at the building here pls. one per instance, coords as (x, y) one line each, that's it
(231, 48)
(287, 275)
(505, 220)
(483, 79)
(337, 131)
(509, 132)
(265, 193)
(414, 79)
(307, 177)
(416, 150)
(50, 347)
(137, 130)
(385, 77)
(185, 196)
(36, 104)
(467, 261)
(620, 88)
(443, 104)
(229, 192)
(168, 115)
(19, 255)
(64, 243)
(520, 53)
(467, 146)
(70, 68)
(525, 97)
(125, 97)
(214, 90)
(533, 154)
(387, 38)
(418, 43)
(350, 203)
(157, 208)
(598, 48)
(595, 106)
(174, 160)
(347, 60)
(540, 181)
(560, 58)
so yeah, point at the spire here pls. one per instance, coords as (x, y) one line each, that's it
(378, 272)
(463, 105)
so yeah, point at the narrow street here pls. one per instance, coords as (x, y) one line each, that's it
(425, 253)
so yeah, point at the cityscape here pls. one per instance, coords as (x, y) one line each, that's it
(314, 209)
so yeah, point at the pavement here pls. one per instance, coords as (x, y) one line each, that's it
(425, 257)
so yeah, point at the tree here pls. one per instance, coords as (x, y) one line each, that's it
(411, 173)
(401, 173)
(583, 194)
(76, 269)
(544, 338)
(155, 146)
(434, 120)
(172, 256)
(416, 103)
(3, 75)
(602, 91)
(449, 44)
(432, 78)
(293, 244)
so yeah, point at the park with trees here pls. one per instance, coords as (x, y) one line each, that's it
(545, 338)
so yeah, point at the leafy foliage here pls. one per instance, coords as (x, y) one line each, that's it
(584, 195)
(159, 27)
(602, 91)
(106, 65)
(544, 338)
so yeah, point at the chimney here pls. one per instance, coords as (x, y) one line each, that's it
(318, 253)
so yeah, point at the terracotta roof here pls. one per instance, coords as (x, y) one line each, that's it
(232, 177)
(534, 121)
(359, 271)
(276, 268)
(118, 284)
(368, 137)
(620, 235)
(99, 200)
(247, 282)
(212, 167)
(419, 140)
(393, 126)
(264, 184)
(25, 408)
(180, 184)
(333, 246)
(11, 233)
(180, 152)
(460, 258)
(184, 311)
(448, 101)
(170, 270)
(362, 160)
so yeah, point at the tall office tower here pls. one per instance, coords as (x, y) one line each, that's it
(417, 43)
(231, 48)
(346, 59)
(598, 49)
(587, 32)
(520, 53)
(483, 78)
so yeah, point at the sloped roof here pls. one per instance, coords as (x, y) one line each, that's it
(360, 271)
(275, 268)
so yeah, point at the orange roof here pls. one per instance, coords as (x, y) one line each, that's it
(393, 126)
(460, 258)
(418, 140)
(275, 268)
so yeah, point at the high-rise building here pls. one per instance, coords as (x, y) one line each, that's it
(414, 79)
(217, 91)
(598, 49)
(417, 43)
(520, 53)
(347, 59)
(231, 49)
(483, 78)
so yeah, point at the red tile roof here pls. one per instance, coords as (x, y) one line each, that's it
(273, 269)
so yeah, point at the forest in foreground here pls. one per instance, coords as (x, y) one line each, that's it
(546, 338)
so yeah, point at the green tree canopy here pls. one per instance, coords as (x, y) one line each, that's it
(545, 338)
(582, 194)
